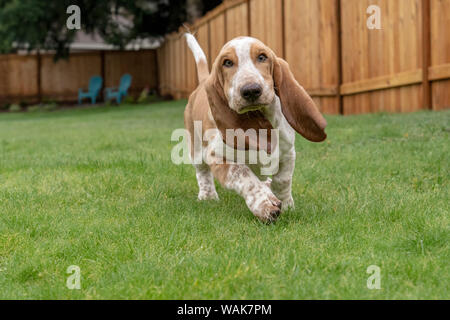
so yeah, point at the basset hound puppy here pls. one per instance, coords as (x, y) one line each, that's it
(249, 88)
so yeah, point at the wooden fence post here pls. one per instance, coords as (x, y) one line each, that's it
(102, 73)
(426, 55)
(283, 30)
(249, 21)
(339, 57)
(39, 71)
(208, 30)
(186, 68)
(225, 24)
(157, 71)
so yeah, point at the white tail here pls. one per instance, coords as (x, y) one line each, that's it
(199, 56)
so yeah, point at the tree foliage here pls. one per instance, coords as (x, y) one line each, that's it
(38, 24)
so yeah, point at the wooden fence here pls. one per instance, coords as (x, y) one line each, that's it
(33, 78)
(345, 66)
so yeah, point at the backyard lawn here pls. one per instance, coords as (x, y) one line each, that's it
(95, 188)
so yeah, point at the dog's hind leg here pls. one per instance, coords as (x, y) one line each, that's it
(205, 179)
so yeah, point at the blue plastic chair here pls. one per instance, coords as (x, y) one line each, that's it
(122, 91)
(95, 85)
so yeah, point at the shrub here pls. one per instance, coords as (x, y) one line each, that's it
(143, 97)
(47, 101)
(147, 96)
(34, 108)
(50, 106)
(129, 99)
(43, 107)
(4, 106)
(15, 108)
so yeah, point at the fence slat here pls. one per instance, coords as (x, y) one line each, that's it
(426, 54)
(440, 54)
(384, 82)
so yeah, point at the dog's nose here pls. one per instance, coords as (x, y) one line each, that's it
(251, 91)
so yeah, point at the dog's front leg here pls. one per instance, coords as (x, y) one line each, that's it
(205, 180)
(257, 195)
(281, 184)
(282, 181)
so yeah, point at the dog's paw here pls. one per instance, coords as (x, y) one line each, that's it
(288, 204)
(266, 207)
(208, 195)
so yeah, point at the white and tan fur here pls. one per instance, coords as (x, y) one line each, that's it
(221, 101)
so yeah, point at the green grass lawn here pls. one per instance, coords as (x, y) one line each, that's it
(96, 188)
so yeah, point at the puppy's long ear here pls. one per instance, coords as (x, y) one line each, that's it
(297, 106)
(226, 118)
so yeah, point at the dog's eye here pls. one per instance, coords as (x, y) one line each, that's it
(228, 63)
(262, 58)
